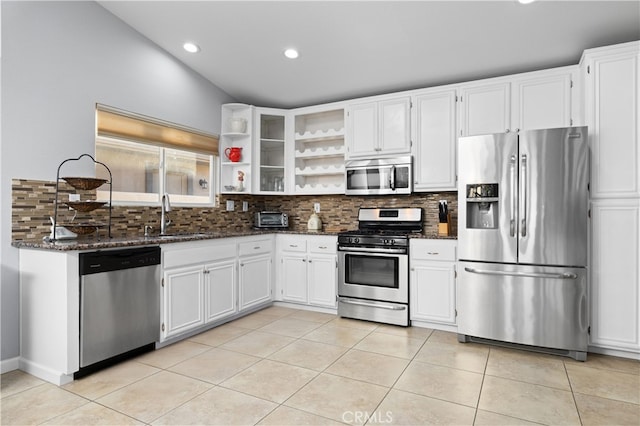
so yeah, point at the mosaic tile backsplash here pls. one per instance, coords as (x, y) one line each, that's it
(33, 204)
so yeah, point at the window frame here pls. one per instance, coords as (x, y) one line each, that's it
(122, 198)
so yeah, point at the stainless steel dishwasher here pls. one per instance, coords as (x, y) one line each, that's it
(119, 304)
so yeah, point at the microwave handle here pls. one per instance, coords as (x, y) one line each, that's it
(392, 178)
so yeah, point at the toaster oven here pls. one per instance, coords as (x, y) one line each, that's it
(271, 220)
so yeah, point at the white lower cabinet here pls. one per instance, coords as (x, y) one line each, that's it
(308, 269)
(183, 290)
(220, 289)
(207, 281)
(254, 281)
(615, 273)
(432, 281)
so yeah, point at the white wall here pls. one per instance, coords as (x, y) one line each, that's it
(58, 60)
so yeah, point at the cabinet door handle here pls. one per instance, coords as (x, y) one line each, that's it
(304, 260)
(256, 248)
(293, 245)
(309, 260)
(323, 247)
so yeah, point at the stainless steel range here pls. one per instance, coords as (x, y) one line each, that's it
(373, 265)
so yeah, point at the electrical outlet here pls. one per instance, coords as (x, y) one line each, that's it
(230, 205)
(316, 207)
(245, 206)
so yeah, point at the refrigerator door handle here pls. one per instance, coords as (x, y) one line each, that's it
(563, 276)
(514, 198)
(523, 195)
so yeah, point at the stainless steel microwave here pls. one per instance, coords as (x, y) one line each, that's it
(379, 176)
(271, 220)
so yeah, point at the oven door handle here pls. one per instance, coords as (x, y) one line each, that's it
(372, 305)
(372, 250)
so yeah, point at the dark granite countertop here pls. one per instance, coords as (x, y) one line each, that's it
(139, 240)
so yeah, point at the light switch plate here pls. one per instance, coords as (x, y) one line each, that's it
(245, 206)
(74, 197)
(230, 206)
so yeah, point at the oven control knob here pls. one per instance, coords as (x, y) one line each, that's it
(355, 240)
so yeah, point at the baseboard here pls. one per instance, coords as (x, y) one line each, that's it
(614, 352)
(435, 326)
(10, 364)
(302, 307)
(44, 373)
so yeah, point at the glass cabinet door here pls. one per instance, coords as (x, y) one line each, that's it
(271, 151)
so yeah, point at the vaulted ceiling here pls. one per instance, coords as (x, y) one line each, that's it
(357, 48)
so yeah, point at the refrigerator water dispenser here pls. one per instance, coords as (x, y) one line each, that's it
(482, 206)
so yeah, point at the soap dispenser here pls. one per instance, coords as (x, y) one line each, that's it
(314, 223)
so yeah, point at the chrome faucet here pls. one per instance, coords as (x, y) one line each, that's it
(165, 204)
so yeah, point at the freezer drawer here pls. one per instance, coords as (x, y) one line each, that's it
(530, 305)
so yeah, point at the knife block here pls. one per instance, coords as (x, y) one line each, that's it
(443, 227)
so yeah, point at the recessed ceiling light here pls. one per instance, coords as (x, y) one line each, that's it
(291, 53)
(526, 1)
(191, 47)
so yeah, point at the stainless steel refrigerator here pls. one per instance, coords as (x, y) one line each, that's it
(522, 239)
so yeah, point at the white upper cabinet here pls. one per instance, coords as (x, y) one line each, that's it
(269, 151)
(485, 108)
(378, 128)
(535, 100)
(611, 113)
(542, 100)
(434, 139)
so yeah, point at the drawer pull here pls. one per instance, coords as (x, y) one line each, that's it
(433, 253)
(293, 245)
(322, 247)
(257, 248)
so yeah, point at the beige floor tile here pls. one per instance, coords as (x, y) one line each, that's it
(335, 397)
(255, 321)
(530, 367)
(313, 316)
(604, 383)
(335, 335)
(287, 416)
(16, 381)
(600, 411)
(352, 323)
(93, 414)
(487, 418)
(219, 335)
(154, 396)
(292, 327)
(403, 408)
(257, 343)
(413, 332)
(113, 378)
(270, 380)
(215, 365)
(172, 354)
(38, 405)
(369, 367)
(219, 406)
(462, 357)
(446, 337)
(449, 384)
(389, 344)
(527, 401)
(605, 362)
(308, 354)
